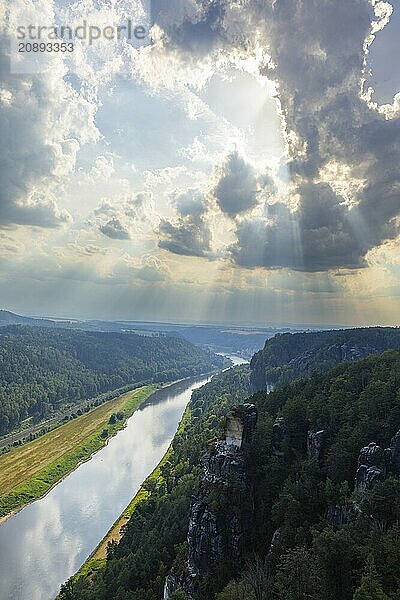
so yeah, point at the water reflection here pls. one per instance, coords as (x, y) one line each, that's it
(44, 544)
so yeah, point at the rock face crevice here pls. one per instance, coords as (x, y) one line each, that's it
(215, 527)
(315, 444)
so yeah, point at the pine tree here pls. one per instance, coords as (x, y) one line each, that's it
(370, 587)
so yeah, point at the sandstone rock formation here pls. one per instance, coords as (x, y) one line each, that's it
(375, 464)
(172, 584)
(215, 529)
(371, 467)
(315, 441)
(274, 541)
(240, 425)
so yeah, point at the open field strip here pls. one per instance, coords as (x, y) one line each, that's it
(30, 471)
(98, 557)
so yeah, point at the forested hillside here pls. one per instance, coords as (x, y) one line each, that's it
(309, 507)
(43, 370)
(333, 533)
(290, 356)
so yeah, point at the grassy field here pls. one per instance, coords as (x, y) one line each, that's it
(28, 472)
(98, 557)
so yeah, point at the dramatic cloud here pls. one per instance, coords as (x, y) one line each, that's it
(43, 122)
(315, 237)
(254, 111)
(189, 234)
(236, 189)
(318, 53)
(193, 25)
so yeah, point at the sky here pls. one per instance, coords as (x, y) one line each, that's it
(243, 167)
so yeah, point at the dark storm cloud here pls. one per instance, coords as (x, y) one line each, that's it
(189, 234)
(317, 49)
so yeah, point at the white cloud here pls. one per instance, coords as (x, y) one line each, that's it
(126, 218)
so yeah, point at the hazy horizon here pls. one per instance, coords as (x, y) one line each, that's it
(239, 324)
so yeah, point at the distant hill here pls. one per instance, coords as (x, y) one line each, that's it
(219, 338)
(42, 369)
(295, 355)
(9, 318)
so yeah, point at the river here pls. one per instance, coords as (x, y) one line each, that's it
(48, 541)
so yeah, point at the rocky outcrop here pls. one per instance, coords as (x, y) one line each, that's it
(240, 425)
(172, 584)
(371, 467)
(279, 434)
(221, 463)
(205, 544)
(315, 442)
(274, 541)
(375, 464)
(215, 527)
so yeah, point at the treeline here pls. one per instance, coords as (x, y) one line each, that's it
(290, 356)
(137, 566)
(44, 370)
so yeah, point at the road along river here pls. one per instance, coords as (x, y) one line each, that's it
(48, 541)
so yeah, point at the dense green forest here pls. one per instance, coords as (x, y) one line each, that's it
(314, 557)
(328, 540)
(291, 356)
(43, 370)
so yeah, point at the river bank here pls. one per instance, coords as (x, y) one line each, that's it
(29, 472)
(98, 557)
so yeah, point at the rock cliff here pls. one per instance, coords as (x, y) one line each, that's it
(215, 527)
(288, 356)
